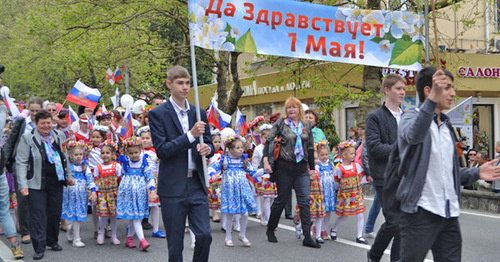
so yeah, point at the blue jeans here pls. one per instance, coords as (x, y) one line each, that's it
(374, 210)
(5, 218)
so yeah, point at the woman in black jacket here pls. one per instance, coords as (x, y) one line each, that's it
(293, 167)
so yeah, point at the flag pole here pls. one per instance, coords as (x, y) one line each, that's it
(197, 103)
(62, 106)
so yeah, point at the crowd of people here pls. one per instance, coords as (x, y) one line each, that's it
(56, 174)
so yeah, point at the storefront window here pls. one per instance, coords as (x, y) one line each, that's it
(351, 115)
(264, 110)
(483, 129)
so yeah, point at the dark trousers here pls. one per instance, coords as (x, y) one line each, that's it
(45, 213)
(286, 179)
(389, 230)
(288, 206)
(23, 213)
(423, 231)
(193, 204)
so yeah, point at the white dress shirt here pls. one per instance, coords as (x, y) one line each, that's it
(182, 114)
(438, 195)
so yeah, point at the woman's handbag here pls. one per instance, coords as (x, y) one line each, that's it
(276, 147)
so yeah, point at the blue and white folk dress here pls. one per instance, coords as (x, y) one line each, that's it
(75, 198)
(328, 185)
(236, 194)
(133, 198)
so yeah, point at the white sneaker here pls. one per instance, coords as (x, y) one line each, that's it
(69, 233)
(370, 235)
(78, 243)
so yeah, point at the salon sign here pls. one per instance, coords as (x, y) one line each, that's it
(479, 72)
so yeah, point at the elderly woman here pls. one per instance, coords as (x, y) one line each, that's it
(42, 171)
(291, 168)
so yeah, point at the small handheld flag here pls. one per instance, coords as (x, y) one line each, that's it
(240, 126)
(84, 95)
(109, 76)
(127, 127)
(117, 75)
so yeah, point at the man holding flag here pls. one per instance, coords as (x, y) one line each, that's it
(181, 182)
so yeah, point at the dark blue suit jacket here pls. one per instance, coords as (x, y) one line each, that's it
(172, 146)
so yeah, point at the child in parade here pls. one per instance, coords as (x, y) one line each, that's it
(132, 199)
(97, 136)
(236, 194)
(75, 197)
(107, 176)
(265, 190)
(316, 206)
(83, 132)
(350, 199)
(145, 134)
(328, 185)
(336, 157)
(106, 119)
(215, 179)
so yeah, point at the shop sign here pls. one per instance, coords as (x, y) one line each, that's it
(409, 75)
(253, 90)
(481, 72)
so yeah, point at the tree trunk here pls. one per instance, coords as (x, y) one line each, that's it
(236, 91)
(372, 81)
(222, 75)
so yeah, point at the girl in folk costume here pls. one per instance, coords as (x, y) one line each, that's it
(316, 206)
(215, 179)
(132, 199)
(75, 197)
(254, 132)
(97, 137)
(107, 176)
(350, 199)
(83, 134)
(147, 142)
(328, 185)
(106, 119)
(236, 194)
(266, 189)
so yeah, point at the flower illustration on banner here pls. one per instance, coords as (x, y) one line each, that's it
(401, 34)
(211, 32)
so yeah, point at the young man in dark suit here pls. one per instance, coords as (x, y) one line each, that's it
(181, 182)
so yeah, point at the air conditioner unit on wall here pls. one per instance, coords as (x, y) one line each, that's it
(495, 43)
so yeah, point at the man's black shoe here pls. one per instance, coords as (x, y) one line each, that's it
(38, 256)
(270, 236)
(56, 247)
(289, 217)
(309, 242)
(146, 225)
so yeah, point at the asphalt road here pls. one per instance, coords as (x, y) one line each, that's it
(480, 232)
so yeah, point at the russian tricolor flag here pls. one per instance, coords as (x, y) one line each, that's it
(216, 117)
(127, 127)
(117, 76)
(241, 126)
(84, 95)
(71, 116)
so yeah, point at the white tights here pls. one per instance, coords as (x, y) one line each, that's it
(266, 210)
(326, 222)
(102, 225)
(76, 229)
(155, 218)
(135, 228)
(258, 199)
(360, 223)
(243, 225)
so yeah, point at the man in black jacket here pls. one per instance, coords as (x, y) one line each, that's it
(380, 134)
